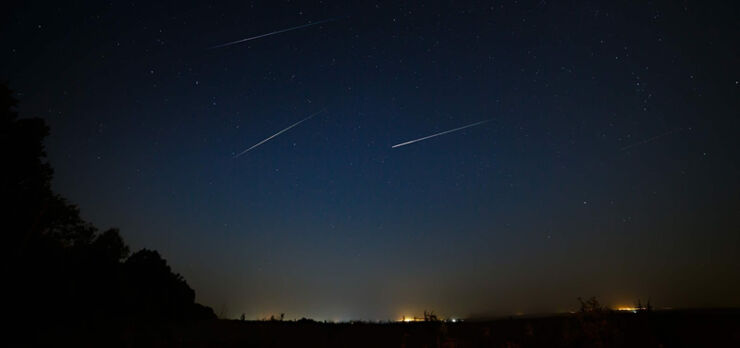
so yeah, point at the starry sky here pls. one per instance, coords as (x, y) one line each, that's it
(608, 166)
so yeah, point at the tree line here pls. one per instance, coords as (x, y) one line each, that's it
(59, 269)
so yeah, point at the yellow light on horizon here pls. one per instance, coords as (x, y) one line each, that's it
(406, 319)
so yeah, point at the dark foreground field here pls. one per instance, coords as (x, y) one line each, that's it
(684, 328)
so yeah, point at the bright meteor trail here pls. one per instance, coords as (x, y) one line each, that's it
(271, 33)
(438, 134)
(278, 133)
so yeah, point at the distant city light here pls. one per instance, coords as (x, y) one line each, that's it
(406, 319)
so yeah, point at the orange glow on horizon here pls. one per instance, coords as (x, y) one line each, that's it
(409, 319)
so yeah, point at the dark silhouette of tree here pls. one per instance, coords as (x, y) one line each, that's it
(591, 305)
(647, 308)
(155, 292)
(110, 246)
(55, 262)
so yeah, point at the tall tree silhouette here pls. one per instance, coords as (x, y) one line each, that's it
(57, 263)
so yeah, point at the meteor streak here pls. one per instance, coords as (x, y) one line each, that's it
(643, 142)
(278, 133)
(271, 33)
(438, 134)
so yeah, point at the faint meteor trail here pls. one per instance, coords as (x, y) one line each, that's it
(438, 134)
(280, 132)
(643, 142)
(271, 33)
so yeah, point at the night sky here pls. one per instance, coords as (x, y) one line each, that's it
(608, 166)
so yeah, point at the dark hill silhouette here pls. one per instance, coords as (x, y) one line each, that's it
(62, 274)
